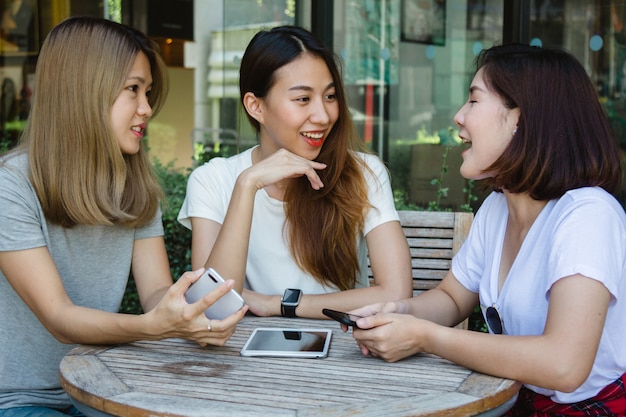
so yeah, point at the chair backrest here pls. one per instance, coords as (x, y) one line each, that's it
(434, 238)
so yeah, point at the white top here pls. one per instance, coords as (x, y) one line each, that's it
(270, 268)
(583, 232)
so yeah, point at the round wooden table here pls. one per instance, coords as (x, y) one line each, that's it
(175, 377)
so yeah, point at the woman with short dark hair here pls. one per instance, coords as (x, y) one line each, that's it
(546, 253)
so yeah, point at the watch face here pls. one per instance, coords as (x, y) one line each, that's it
(291, 296)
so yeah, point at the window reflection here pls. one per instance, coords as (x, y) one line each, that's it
(594, 31)
(17, 26)
(403, 92)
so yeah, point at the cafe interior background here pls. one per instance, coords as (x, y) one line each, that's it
(407, 65)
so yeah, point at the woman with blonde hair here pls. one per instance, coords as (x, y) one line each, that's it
(293, 219)
(80, 210)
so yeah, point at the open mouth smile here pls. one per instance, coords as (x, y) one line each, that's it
(139, 129)
(315, 139)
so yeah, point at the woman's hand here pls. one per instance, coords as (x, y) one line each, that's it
(226, 247)
(281, 165)
(385, 330)
(262, 305)
(391, 336)
(174, 317)
(374, 309)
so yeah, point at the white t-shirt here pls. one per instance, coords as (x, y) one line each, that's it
(583, 232)
(270, 267)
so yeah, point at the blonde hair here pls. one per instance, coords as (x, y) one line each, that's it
(76, 166)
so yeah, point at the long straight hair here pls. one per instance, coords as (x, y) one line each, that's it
(322, 225)
(76, 166)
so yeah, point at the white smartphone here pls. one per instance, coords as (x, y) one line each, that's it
(230, 302)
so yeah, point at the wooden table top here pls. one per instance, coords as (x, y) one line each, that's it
(175, 377)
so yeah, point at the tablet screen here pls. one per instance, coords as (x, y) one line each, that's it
(298, 343)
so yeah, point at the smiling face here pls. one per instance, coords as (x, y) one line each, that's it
(487, 125)
(131, 110)
(300, 109)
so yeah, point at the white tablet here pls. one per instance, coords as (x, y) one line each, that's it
(292, 343)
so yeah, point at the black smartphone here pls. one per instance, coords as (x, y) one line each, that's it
(341, 317)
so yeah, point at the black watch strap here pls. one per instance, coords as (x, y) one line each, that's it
(288, 311)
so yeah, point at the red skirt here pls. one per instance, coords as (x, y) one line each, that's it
(610, 402)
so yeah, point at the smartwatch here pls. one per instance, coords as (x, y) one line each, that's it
(289, 302)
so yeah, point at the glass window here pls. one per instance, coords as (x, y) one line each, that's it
(19, 46)
(225, 130)
(595, 32)
(408, 67)
(23, 27)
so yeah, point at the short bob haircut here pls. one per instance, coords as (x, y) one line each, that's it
(76, 165)
(563, 139)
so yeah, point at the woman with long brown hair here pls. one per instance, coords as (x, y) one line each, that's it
(297, 215)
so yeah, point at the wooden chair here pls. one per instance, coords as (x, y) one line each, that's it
(434, 238)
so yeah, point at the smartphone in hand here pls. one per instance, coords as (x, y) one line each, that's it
(341, 317)
(230, 302)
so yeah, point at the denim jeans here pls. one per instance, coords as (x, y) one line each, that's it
(39, 412)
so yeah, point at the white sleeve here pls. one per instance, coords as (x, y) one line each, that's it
(590, 240)
(470, 262)
(209, 189)
(379, 194)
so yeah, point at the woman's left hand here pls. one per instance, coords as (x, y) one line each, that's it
(260, 304)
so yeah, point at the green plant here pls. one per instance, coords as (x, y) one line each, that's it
(4, 146)
(470, 197)
(400, 169)
(476, 321)
(6, 141)
(130, 302)
(203, 153)
(448, 138)
(401, 201)
(177, 237)
(442, 192)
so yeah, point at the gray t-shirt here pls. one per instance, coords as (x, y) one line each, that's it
(94, 264)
